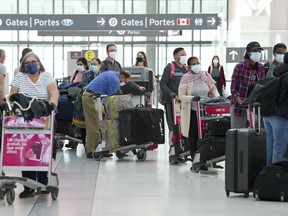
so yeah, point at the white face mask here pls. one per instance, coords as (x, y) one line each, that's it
(255, 56)
(183, 59)
(122, 83)
(112, 55)
(196, 68)
(80, 68)
(215, 61)
(279, 58)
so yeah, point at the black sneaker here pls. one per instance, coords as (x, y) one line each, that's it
(27, 193)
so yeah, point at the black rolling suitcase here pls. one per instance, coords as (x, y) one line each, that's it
(141, 125)
(245, 156)
(272, 182)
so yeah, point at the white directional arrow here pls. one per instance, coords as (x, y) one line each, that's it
(212, 21)
(233, 53)
(102, 21)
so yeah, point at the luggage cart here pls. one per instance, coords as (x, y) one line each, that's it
(205, 111)
(179, 151)
(27, 146)
(120, 151)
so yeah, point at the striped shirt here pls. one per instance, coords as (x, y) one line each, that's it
(38, 89)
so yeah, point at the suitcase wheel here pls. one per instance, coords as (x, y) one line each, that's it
(227, 193)
(256, 194)
(195, 167)
(282, 197)
(246, 194)
(141, 155)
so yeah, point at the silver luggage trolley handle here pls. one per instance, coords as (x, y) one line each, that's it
(27, 146)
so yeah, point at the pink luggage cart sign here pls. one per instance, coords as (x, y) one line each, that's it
(19, 122)
(26, 150)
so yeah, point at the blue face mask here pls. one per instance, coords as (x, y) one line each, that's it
(32, 68)
(94, 68)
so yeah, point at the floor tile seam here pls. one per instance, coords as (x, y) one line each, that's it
(95, 187)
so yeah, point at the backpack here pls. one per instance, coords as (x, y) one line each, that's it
(160, 93)
(106, 64)
(266, 92)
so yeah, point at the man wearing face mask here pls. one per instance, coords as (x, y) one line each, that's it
(169, 84)
(279, 51)
(110, 63)
(245, 76)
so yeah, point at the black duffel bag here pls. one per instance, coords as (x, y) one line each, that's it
(141, 125)
(272, 182)
(219, 127)
(211, 147)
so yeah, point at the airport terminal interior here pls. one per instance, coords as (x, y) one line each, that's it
(129, 186)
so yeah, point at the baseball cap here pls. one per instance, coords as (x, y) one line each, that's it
(253, 46)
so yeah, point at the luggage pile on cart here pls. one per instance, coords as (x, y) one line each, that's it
(126, 128)
(213, 122)
(26, 145)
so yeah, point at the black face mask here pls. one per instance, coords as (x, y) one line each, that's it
(139, 59)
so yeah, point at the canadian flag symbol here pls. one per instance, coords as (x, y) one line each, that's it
(183, 21)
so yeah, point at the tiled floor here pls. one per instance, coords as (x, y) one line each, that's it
(129, 187)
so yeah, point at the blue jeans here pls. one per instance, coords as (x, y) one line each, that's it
(276, 138)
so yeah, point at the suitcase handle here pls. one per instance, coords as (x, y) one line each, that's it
(255, 106)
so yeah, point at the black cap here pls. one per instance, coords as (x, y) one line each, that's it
(253, 46)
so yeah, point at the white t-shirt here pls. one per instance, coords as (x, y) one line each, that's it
(38, 89)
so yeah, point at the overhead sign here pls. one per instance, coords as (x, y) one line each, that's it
(109, 22)
(236, 54)
(105, 33)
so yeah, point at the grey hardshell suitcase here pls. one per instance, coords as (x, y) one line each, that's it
(245, 156)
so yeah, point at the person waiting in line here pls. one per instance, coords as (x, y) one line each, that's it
(195, 83)
(34, 81)
(82, 67)
(128, 86)
(245, 76)
(141, 59)
(110, 63)
(24, 52)
(107, 83)
(279, 51)
(169, 85)
(217, 72)
(2, 75)
(78, 115)
(276, 126)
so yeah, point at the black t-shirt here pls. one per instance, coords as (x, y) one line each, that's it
(253, 79)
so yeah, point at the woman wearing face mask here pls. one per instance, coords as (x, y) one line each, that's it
(194, 83)
(82, 67)
(35, 82)
(245, 76)
(78, 116)
(217, 72)
(141, 59)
